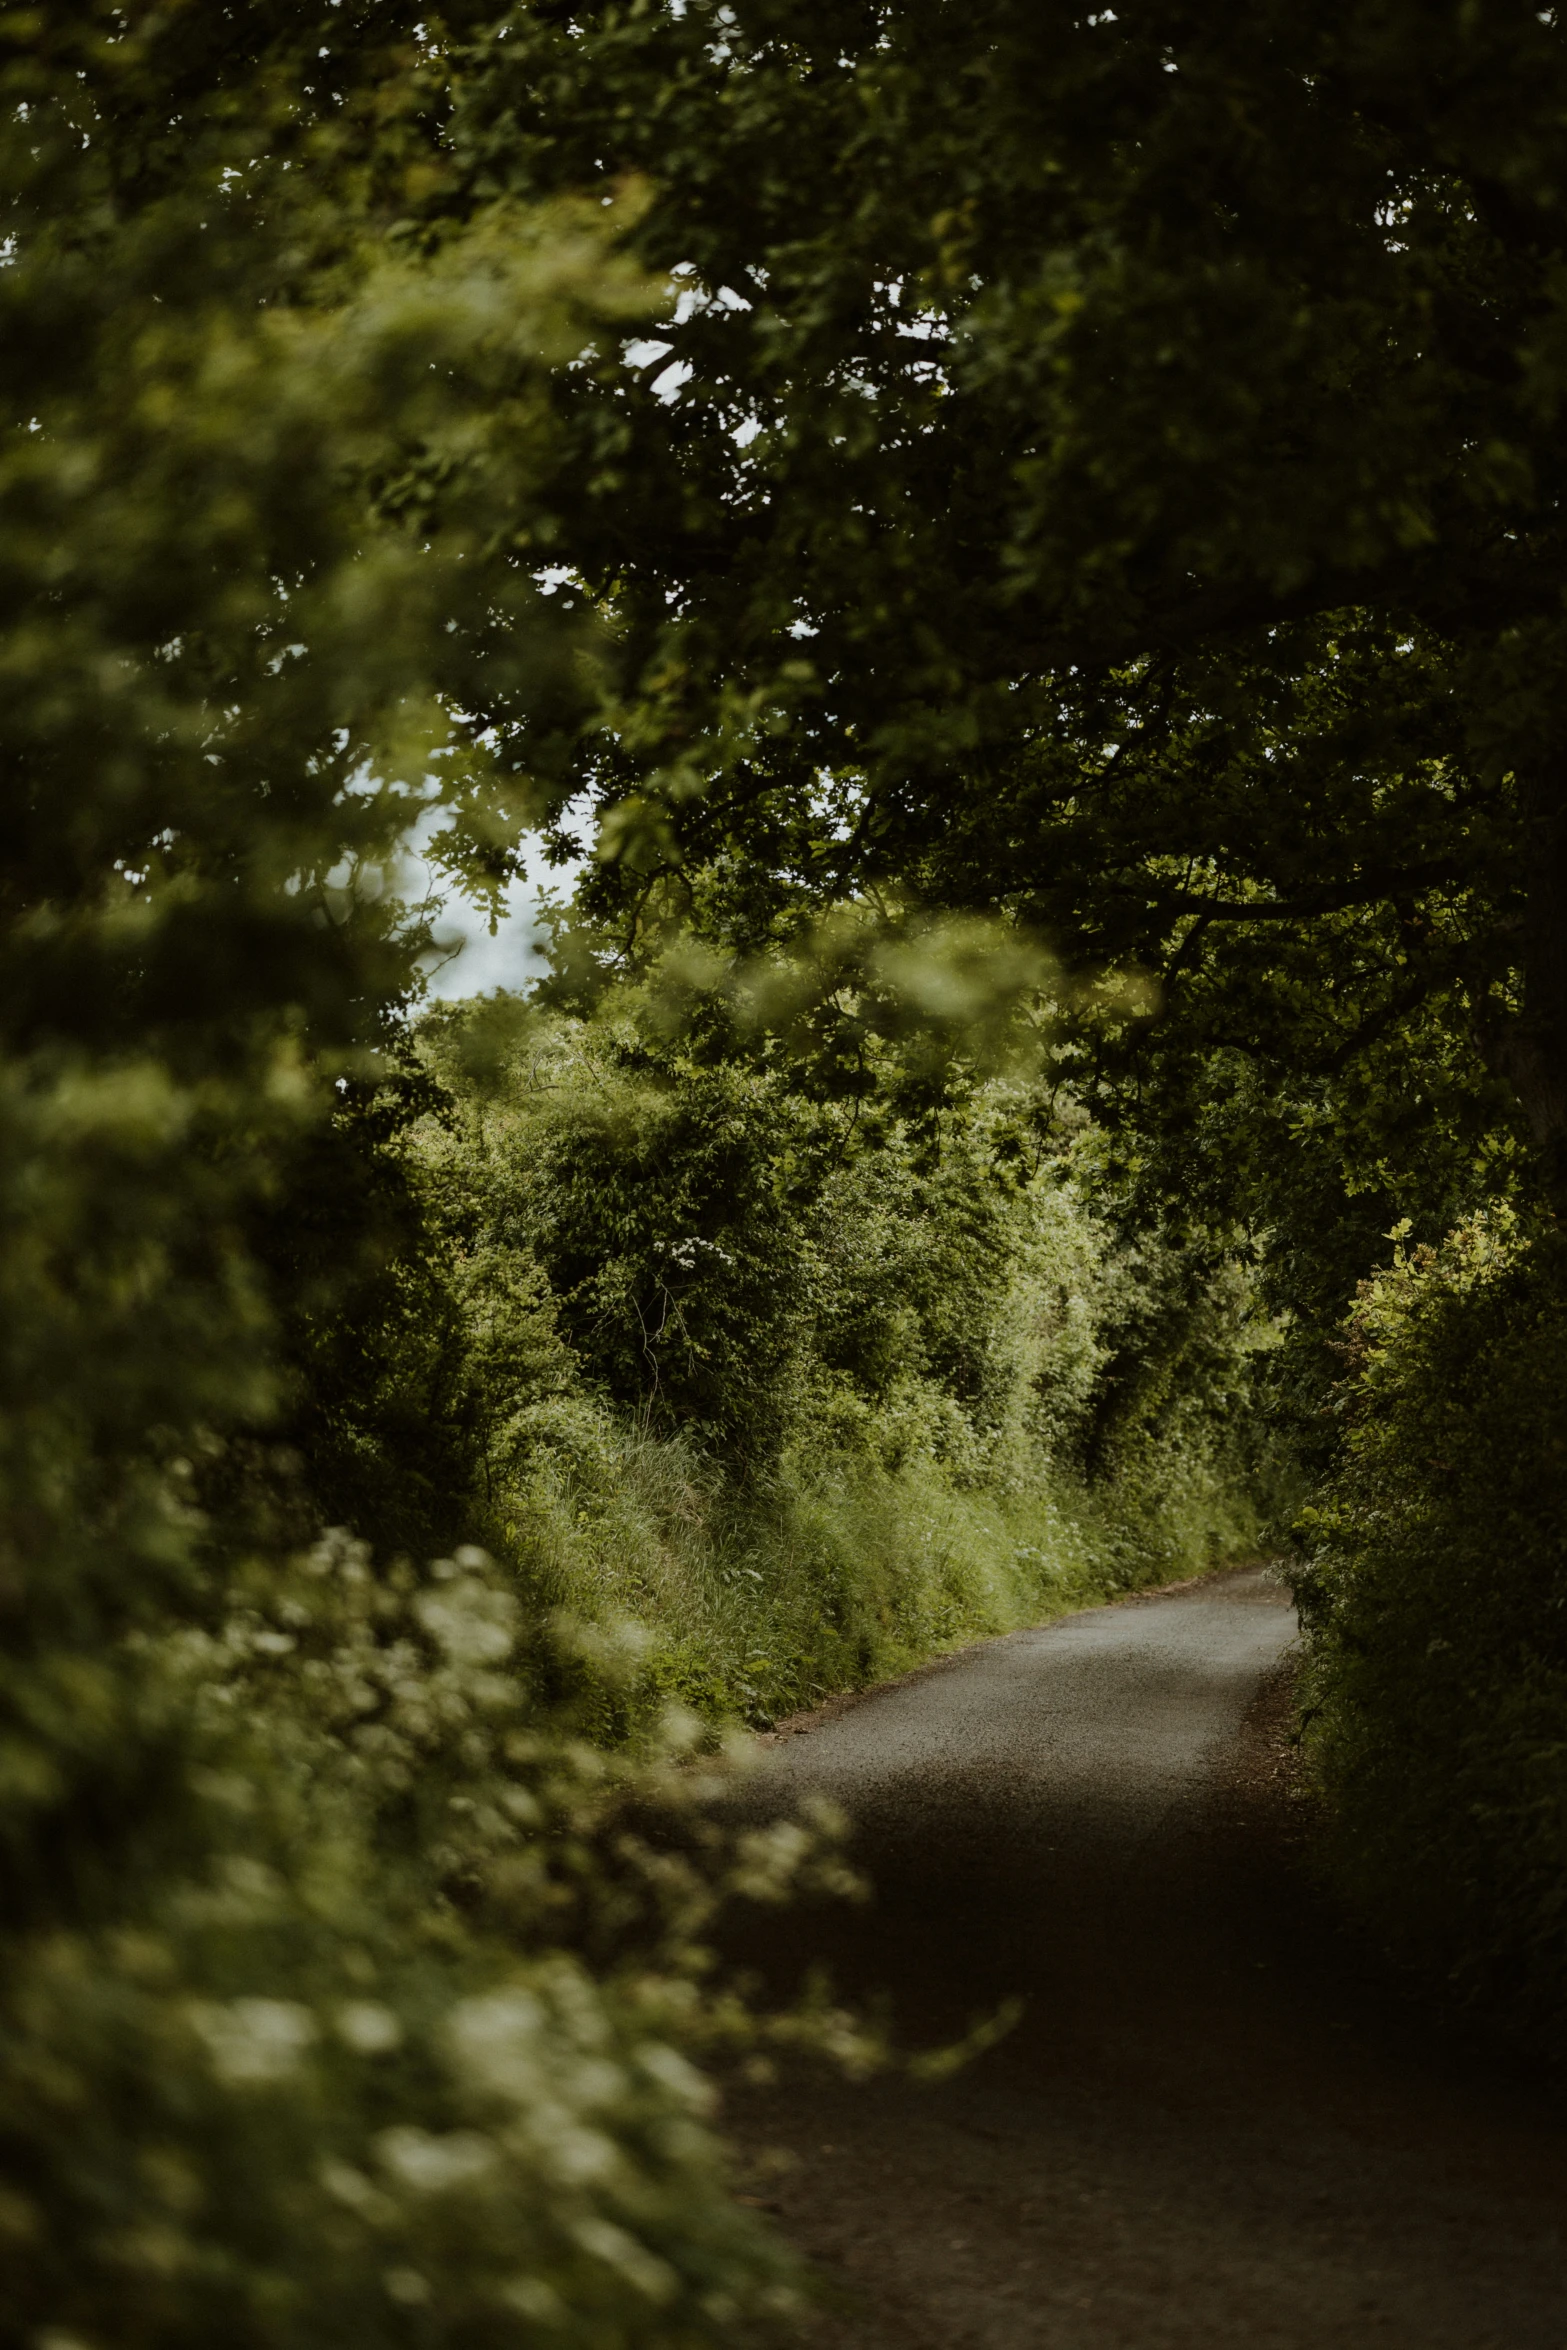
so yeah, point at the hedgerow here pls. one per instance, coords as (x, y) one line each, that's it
(823, 1390)
(1435, 1598)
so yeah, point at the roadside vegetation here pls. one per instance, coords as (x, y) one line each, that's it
(809, 1387)
(1019, 556)
(1436, 1692)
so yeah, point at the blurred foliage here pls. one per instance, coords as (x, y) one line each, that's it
(1436, 1603)
(376, 2025)
(339, 1996)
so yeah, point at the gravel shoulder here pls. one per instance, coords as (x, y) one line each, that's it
(1218, 2122)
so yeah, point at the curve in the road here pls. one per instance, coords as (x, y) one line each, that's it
(1218, 2123)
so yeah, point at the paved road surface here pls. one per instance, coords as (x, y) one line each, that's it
(1218, 2123)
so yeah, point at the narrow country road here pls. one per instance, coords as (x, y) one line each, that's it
(1218, 2123)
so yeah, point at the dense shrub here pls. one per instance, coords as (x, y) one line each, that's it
(1436, 1602)
(659, 1214)
(829, 1390)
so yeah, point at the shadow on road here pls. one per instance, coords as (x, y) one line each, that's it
(1217, 2123)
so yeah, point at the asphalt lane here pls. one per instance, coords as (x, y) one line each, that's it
(1219, 2121)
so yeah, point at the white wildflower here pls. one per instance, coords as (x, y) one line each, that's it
(350, 2187)
(602, 2240)
(254, 2040)
(367, 2027)
(407, 2286)
(531, 2297)
(671, 2071)
(431, 2163)
(495, 2040)
(472, 1622)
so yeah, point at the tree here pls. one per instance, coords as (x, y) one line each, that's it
(1101, 464)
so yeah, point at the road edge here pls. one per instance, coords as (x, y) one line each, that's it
(842, 1701)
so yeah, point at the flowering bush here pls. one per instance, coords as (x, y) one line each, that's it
(404, 2039)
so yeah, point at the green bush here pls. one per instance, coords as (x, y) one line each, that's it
(1435, 1598)
(835, 1571)
(828, 1394)
(659, 1214)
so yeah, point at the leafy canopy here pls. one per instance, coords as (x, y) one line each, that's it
(1105, 466)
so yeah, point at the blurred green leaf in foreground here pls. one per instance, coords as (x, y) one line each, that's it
(299, 2039)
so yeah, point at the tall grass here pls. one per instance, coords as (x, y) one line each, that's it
(830, 1572)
